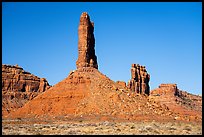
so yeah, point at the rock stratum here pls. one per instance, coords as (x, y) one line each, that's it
(18, 87)
(186, 106)
(87, 93)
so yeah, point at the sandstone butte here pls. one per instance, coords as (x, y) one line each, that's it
(18, 87)
(88, 93)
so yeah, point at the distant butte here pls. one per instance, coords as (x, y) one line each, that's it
(18, 87)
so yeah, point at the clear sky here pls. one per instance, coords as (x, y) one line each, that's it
(165, 37)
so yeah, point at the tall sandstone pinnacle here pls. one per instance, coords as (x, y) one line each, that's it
(86, 43)
(139, 82)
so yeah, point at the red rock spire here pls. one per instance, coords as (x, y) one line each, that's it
(86, 43)
(139, 82)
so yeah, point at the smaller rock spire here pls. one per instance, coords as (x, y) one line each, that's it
(139, 81)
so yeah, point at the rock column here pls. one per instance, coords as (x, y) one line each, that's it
(86, 43)
(139, 81)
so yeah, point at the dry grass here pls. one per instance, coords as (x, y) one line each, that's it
(105, 127)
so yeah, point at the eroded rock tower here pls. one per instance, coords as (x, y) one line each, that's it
(86, 43)
(139, 81)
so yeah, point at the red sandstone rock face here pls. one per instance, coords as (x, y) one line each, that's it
(86, 43)
(19, 86)
(122, 83)
(14, 78)
(186, 105)
(139, 82)
(165, 89)
(188, 100)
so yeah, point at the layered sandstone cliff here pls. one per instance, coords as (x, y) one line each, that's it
(165, 89)
(19, 86)
(181, 102)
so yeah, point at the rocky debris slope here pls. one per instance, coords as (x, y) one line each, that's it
(189, 100)
(86, 93)
(86, 43)
(139, 82)
(19, 86)
(185, 105)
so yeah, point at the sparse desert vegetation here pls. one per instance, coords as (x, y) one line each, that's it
(104, 127)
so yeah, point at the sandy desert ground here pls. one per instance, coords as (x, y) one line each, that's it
(80, 127)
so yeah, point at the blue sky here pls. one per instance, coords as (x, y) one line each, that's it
(165, 37)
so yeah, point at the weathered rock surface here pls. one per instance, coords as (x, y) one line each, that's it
(86, 43)
(139, 81)
(14, 78)
(19, 86)
(89, 93)
(165, 89)
(189, 100)
(122, 83)
(186, 105)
